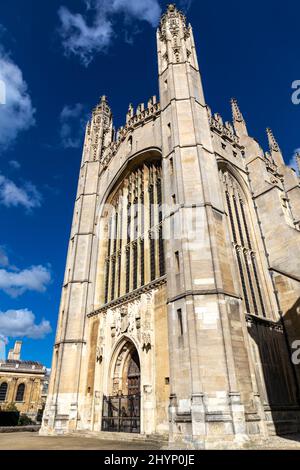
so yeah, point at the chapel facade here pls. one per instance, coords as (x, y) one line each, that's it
(180, 306)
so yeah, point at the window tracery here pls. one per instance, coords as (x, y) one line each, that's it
(244, 245)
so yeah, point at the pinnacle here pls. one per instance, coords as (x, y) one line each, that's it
(272, 141)
(171, 7)
(237, 115)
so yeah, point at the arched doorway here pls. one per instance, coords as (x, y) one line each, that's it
(134, 374)
(121, 409)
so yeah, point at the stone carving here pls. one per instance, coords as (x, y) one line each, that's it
(146, 334)
(131, 322)
(100, 346)
(134, 318)
(125, 319)
(118, 322)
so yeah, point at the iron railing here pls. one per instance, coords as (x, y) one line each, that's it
(121, 413)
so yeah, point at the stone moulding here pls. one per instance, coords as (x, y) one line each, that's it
(142, 117)
(129, 297)
(253, 319)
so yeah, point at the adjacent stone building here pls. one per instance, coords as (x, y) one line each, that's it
(181, 300)
(23, 383)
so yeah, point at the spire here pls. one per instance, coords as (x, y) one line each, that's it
(236, 113)
(238, 119)
(99, 131)
(274, 148)
(102, 107)
(273, 145)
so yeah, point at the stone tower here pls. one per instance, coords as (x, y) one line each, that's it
(181, 299)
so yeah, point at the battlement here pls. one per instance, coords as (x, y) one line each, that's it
(134, 119)
(225, 130)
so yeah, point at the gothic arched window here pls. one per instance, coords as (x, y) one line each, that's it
(3, 391)
(135, 254)
(20, 392)
(244, 245)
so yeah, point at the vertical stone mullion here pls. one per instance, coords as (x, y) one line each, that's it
(147, 248)
(238, 217)
(112, 234)
(238, 248)
(255, 276)
(246, 244)
(107, 267)
(257, 285)
(115, 243)
(156, 223)
(142, 237)
(161, 256)
(139, 226)
(151, 212)
(124, 240)
(118, 247)
(128, 237)
(132, 225)
(248, 266)
(240, 240)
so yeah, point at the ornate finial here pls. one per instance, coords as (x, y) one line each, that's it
(236, 113)
(171, 7)
(102, 107)
(173, 16)
(272, 141)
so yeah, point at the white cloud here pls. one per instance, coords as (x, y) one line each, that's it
(86, 35)
(72, 125)
(17, 114)
(21, 323)
(16, 282)
(293, 162)
(15, 164)
(12, 195)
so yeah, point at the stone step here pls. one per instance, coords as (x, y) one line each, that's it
(123, 436)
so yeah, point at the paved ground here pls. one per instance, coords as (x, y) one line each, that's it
(32, 441)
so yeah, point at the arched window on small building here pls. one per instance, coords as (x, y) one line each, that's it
(3, 391)
(20, 393)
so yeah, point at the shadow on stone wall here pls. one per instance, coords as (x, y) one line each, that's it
(278, 379)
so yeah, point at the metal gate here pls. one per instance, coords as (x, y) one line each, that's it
(121, 413)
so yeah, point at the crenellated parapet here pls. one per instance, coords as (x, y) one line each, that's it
(225, 130)
(133, 120)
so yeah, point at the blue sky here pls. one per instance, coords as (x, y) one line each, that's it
(57, 58)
